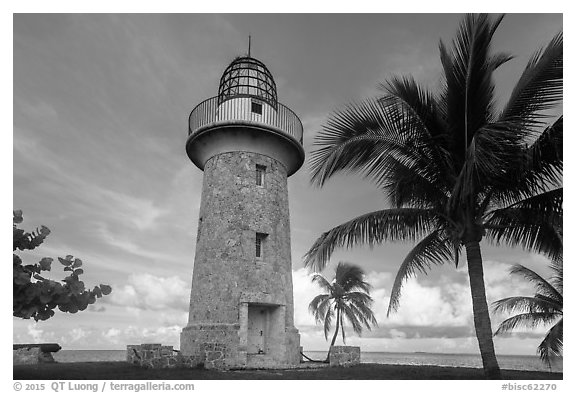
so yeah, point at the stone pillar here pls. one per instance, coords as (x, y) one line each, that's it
(344, 356)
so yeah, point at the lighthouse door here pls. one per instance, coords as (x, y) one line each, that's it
(257, 329)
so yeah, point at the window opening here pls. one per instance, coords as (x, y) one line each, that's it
(256, 107)
(260, 172)
(259, 244)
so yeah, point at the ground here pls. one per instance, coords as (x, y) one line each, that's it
(123, 370)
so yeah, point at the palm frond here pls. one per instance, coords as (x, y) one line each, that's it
(552, 344)
(322, 282)
(372, 228)
(557, 280)
(546, 306)
(558, 303)
(351, 277)
(357, 318)
(410, 185)
(319, 306)
(491, 152)
(539, 88)
(417, 103)
(499, 59)
(346, 311)
(468, 94)
(531, 224)
(547, 207)
(364, 137)
(360, 304)
(543, 287)
(540, 169)
(530, 320)
(432, 250)
(526, 304)
(545, 156)
(359, 297)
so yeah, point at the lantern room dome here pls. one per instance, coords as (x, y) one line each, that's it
(247, 77)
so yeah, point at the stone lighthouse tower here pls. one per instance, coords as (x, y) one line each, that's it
(247, 144)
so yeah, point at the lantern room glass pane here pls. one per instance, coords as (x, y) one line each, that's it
(248, 77)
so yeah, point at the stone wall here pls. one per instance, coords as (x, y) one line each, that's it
(214, 355)
(195, 340)
(344, 356)
(232, 210)
(159, 356)
(210, 355)
(32, 355)
(228, 276)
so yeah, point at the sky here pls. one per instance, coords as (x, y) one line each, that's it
(100, 110)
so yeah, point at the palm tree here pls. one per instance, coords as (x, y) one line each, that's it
(455, 169)
(544, 307)
(348, 297)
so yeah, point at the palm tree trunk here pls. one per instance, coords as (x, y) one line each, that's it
(335, 333)
(342, 324)
(480, 309)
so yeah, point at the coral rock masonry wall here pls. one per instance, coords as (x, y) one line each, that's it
(159, 356)
(32, 355)
(344, 356)
(228, 277)
(232, 210)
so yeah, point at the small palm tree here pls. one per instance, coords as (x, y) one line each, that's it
(545, 307)
(455, 169)
(348, 297)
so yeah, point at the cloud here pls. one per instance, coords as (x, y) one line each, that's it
(35, 333)
(134, 334)
(40, 110)
(431, 317)
(441, 309)
(92, 337)
(140, 212)
(147, 292)
(113, 335)
(31, 332)
(77, 334)
(166, 335)
(121, 242)
(394, 333)
(304, 291)
(421, 332)
(420, 305)
(94, 308)
(173, 318)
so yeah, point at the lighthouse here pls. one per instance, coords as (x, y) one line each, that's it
(248, 144)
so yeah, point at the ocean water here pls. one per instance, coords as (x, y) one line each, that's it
(512, 362)
(87, 355)
(509, 362)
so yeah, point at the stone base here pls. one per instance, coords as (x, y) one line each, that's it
(221, 346)
(344, 356)
(213, 345)
(158, 356)
(31, 356)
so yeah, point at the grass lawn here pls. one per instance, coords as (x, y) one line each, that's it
(123, 370)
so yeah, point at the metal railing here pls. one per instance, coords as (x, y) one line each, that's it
(209, 113)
